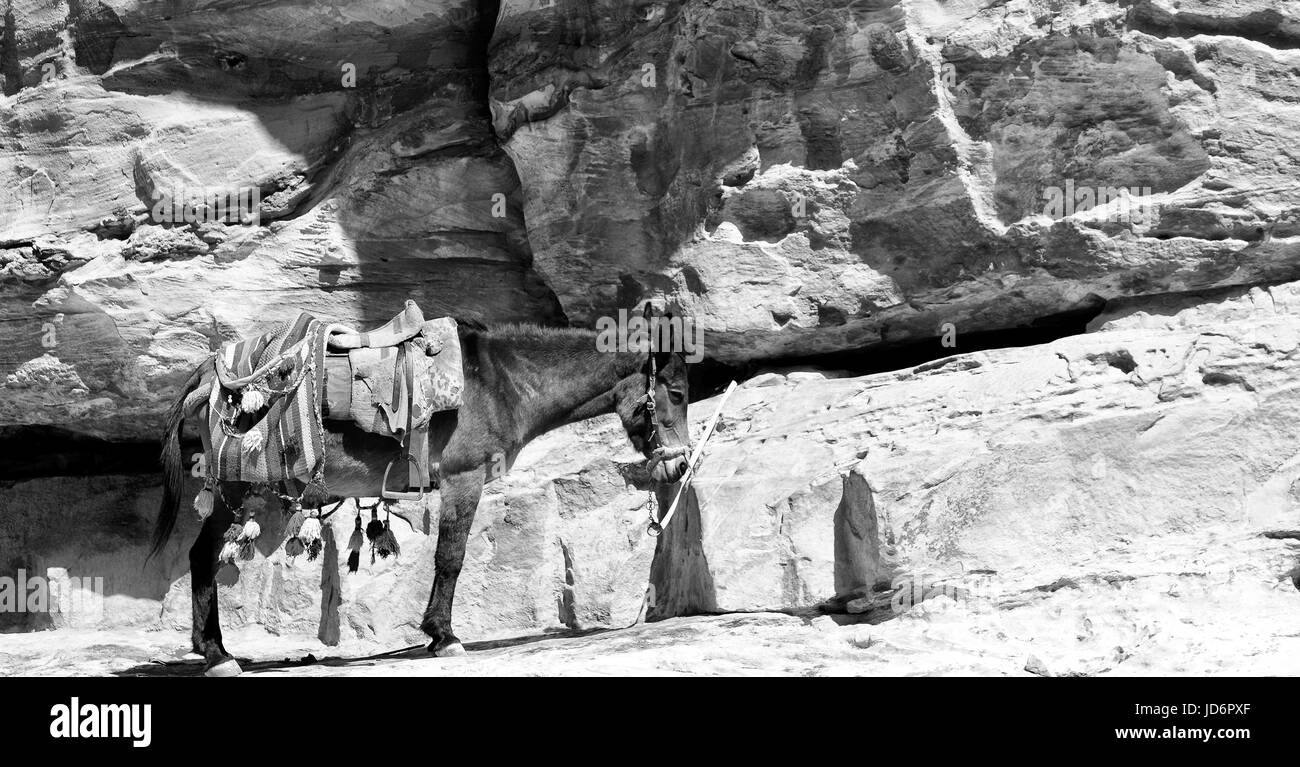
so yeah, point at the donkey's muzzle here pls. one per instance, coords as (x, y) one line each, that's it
(668, 464)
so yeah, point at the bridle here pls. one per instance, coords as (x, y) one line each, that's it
(653, 444)
(651, 436)
(648, 405)
(653, 447)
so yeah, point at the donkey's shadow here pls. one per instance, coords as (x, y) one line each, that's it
(412, 653)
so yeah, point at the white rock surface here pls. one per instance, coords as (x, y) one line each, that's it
(800, 181)
(1118, 502)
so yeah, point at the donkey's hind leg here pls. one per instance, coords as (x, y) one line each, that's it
(205, 631)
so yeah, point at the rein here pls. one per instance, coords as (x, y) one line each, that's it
(651, 432)
(693, 462)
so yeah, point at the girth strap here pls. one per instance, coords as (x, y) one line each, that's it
(415, 442)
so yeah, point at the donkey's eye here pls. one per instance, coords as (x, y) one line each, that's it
(676, 397)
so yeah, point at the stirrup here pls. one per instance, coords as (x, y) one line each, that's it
(395, 495)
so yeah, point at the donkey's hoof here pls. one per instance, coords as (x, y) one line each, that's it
(450, 650)
(227, 667)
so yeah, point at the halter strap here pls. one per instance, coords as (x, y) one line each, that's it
(651, 380)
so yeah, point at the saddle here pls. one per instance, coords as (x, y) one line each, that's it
(265, 417)
(391, 381)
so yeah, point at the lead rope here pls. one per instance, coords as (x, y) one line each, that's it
(652, 502)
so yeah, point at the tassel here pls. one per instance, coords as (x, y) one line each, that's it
(356, 541)
(203, 502)
(251, 442)
(233, 532)
(354, 547)
(310, 535)
(386, 543)
(310, 530)
(294, 524)
(292, 546)
(252, 400)
(248, 533)
(375, 528)
(229, 551)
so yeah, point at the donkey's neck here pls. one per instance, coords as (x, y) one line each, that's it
(556, 376)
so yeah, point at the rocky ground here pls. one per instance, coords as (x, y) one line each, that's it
(1178, 605)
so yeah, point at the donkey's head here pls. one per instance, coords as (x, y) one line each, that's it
(652, 403)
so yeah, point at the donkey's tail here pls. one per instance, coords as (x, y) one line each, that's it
(172, 466)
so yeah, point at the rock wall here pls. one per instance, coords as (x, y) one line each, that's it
(1046, 462)
(801, 179)
(558, 542)
(824, 178)
(365, 155)
(1165, 434)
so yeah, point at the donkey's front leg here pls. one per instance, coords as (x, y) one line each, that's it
(460, 494)
(205, 631)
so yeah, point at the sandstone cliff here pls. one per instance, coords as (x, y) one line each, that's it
(805, 179)
(1140, 480)
(801, 178)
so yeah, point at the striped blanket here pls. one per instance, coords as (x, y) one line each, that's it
(264, 417)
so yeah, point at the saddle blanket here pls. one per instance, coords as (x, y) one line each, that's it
(264, 420)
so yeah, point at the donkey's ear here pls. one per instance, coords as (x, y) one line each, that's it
(649, 310)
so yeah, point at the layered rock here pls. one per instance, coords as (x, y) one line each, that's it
(1157, 447)
(1046, 462)
(559, 541)
(803, 180)
(169, 184)
(813, 180)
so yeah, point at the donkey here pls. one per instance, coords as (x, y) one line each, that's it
(520, 382)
